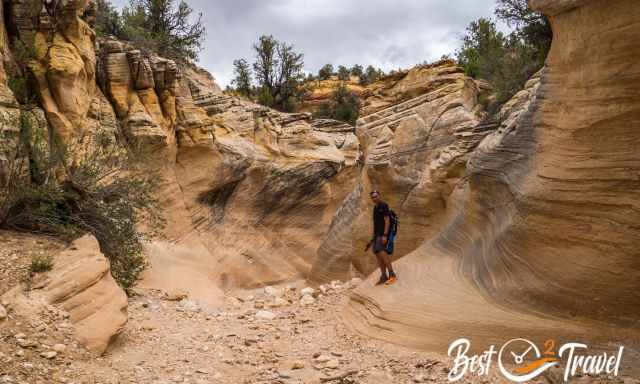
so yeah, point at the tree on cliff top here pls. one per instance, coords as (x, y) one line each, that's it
(531, 26)
(506, 61)
(482, 49)
(325, 72)
(108, 19)
(371, 75)
(357, 70)
(242, 79)
(279, 72)
(164, 28)
(343, 73)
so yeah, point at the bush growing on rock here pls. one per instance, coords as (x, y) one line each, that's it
(344, 106)
(325, 72)
(41, 263)
(343, 73)
(158, 26)
(95, 184)
(506, 61)
(108, 20)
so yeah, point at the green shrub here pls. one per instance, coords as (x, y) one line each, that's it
(95, 184)
(344, 106)
(165, 27)
(41, 263)
(506, 61)
(325, 72)
(24, 52)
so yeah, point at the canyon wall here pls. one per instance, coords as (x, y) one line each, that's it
(521, 228)
(248, 192)
(417, 131)
(540, 239)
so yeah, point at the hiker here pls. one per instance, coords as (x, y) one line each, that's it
(384, 232)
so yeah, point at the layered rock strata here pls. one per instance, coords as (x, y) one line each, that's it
(541, 241)
(417, 133)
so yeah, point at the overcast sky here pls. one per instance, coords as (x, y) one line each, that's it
(385, 33)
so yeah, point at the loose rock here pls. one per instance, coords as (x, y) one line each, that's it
(266, 315)
(307, 300)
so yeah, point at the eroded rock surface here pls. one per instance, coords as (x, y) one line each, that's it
(80, 284)
(249, 192)
(540, 241)
(262, 196)
(418, 130)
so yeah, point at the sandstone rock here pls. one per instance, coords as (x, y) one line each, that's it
(176, 295)
(80, 283)
(279, 302)
(418, 129)
(3, 313)
(272, 291)
(60, 348)
(297, 365)
(322, 358)
(332, 364)
(307, 300)
(307, 291)
(527, 226)
(265, 315)
(26, 343)
(233, 302)
(49, 355)
(284, 374)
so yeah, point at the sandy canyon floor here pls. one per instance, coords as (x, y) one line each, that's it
(260, 336)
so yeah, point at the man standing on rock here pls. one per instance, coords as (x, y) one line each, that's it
(383, 238)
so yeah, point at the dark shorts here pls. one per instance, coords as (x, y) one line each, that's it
(379, 247)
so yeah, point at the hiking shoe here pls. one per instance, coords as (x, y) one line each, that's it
(391, 280)
(383, 280)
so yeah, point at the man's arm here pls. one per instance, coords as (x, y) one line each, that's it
(387, 225)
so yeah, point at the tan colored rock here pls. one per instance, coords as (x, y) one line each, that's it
(539, 239)
(81, 284)
(321, 92)
(257, 168)
(418, 129)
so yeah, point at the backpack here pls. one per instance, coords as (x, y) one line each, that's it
(393, 225)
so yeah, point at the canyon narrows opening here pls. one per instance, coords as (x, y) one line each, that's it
(157, 228)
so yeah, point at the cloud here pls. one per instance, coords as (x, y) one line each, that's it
(389, 34)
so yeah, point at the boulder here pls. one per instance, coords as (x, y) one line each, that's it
(81, 284)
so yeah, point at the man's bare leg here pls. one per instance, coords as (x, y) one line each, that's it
(387, 261)
(383, 267)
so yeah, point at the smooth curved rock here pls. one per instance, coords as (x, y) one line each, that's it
(260, 197)
(542, 237)
(417, 131)
(81, 284)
